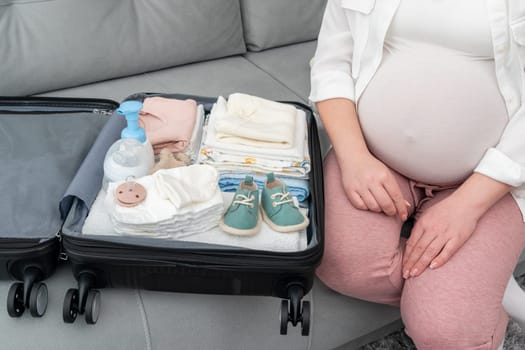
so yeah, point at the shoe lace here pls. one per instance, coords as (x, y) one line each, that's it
(283, 198)
(244, 200)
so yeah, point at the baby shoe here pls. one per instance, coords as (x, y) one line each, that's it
(278, 207)
(242, 216)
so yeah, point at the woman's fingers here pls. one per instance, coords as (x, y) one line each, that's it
(400, 203)
(409, 254)
(446, 253)
(370, 201)
(357, 201)
(384, 200)
(429, 255)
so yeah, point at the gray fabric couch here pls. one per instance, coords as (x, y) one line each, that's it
(113, 48)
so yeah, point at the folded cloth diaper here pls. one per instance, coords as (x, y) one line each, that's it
(179, 202)
(168, 122)
(278, 208)
(254, 121)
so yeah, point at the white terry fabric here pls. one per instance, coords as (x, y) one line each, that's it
(254, 121)
(99, 222)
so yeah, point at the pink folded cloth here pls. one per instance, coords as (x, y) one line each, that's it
(168, 122)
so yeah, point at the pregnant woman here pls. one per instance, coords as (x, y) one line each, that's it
(423, 102)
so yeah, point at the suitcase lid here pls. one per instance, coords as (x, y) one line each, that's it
(43, 141)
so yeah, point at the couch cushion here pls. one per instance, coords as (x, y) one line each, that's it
(289, 64)
(53, 44)
(271, 23)
(211, 78)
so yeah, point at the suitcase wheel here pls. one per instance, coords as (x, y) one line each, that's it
(38, 299)
(284, 316)
(295, 310)
(15, 300)
(305, 318)
(70, 307)
(92, 306)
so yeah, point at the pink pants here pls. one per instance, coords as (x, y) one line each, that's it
(457, 306)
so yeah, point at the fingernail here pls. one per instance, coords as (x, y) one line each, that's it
(433, 265)
(406, 274)
(413, 272)
(408, 204)
(404, 217)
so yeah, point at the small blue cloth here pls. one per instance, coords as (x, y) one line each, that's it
(229, 182)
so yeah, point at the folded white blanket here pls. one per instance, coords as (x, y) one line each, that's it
(98, 222)
(295, 153)
(293, 162)
(254, 121)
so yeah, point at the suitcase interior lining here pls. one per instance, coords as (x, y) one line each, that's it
(39, 156)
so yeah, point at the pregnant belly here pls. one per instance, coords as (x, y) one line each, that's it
(432, 118)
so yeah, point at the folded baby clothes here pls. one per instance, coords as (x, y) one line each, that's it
(294, 161)
(179, 202)
(294, 153)
(168, 122)
(299, 188)
(254, 121)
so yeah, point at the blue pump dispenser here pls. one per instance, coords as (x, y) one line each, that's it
(131, 156)
(130, 110)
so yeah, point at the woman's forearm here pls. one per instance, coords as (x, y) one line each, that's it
(480, 192)
(340, 120)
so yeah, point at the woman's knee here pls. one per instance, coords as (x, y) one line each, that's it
(435, 324)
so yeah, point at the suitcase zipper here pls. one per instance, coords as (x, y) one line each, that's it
(82, 249)
(24, 247)
(21, 105)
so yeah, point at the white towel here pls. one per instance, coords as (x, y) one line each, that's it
(293, 154)
(254, 121)
(98, 222)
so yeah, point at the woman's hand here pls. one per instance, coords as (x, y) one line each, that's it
(437, 235)
(367, 182)
(442, 229)
(370, 185)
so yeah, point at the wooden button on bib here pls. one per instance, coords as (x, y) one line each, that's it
(130, 194)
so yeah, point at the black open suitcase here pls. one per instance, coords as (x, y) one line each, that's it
(42, 143)
(149, 263)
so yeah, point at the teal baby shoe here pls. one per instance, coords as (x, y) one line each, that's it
(278, 208)
(242, 216)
